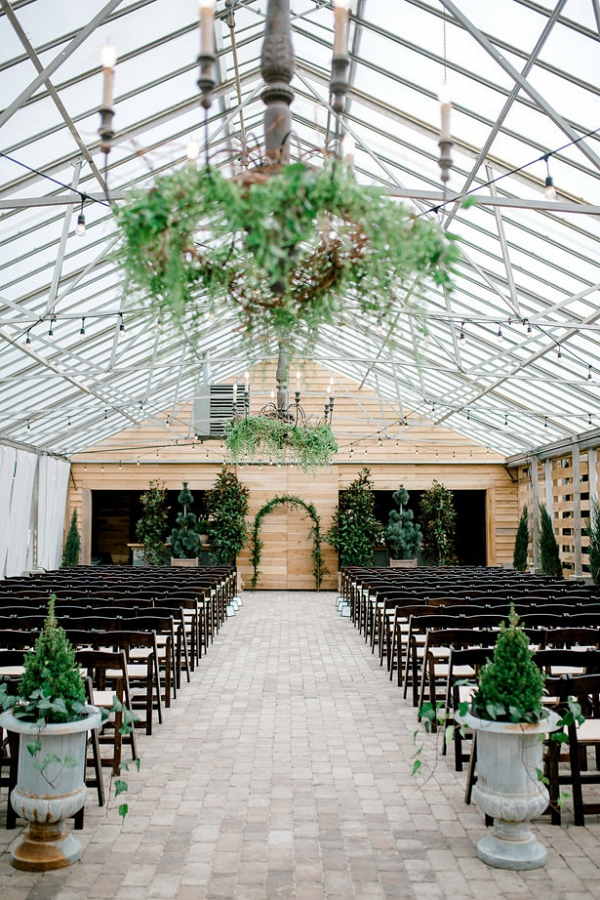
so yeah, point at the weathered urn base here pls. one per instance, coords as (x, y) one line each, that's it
(508, 788)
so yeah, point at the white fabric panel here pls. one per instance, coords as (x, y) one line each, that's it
(20, 550)
(8, 457)
(52, 498)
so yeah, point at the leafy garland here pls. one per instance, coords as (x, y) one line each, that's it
(281, 245)
(256, 545)
(308, 446)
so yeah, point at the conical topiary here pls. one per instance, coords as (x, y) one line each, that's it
(549, 551)
(185, 539)
(521, 543)
(72, 544)
(511, 686)
(51, 689)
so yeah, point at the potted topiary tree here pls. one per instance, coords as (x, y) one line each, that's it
(226, 507)
(402, 535)
(72, 544)
(549, 552)
(593, 533)
(438, 522)
(52, 719)
(185, 537)
(510, 721)
(151, 529)
(521, 543)
(355, 529)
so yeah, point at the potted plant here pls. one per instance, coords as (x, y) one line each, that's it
(510, 721)
(185, 537)
(227, 507)
(438, 523)
(355, 529)
(549, 552)
(51, 717)
(402, 535)
(593, 533)
(521, 543)
(151, 529)
(72, 544)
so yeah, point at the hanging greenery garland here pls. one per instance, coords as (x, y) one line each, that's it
(281, 245)
(278, 441)
(256, 545)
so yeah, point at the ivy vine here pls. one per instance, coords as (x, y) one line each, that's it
(256, 545)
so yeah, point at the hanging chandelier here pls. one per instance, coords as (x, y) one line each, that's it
(286, 246)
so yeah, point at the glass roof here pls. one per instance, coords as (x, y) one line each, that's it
(511, 357)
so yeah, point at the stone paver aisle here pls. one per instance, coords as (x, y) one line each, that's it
(283, 771)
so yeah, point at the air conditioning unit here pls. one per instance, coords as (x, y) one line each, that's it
(214, 408)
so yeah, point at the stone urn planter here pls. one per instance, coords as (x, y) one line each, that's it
(508, 788)
(47, 798)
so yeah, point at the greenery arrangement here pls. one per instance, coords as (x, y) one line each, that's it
(226, 507)
(185, 537)
(72, 544)
(355, 529)
(51, 689)
(549, 553)
(521, 543)
(511, 686)
(593, 534)
(151, 529)
(256, 545)
(402, 535)
(438, 522)
(281, 245)
(278, 441)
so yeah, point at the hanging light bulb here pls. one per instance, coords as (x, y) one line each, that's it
(28, 338)
(461, 336)
(121, 333)
(51, 329)
(559, 354)
(499, 335)
(80, 227)
(549, 189)
(589, 374)
(82, 329)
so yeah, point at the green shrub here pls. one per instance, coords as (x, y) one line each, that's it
(593, 533)
(185, 537)
(227, 507)
(151, 529)
(549, 552)
(511, 686)
(438, 523)
(355, 529)
(72, 544)
(402, 535)
(521, 543)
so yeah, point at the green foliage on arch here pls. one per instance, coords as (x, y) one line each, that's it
(256, 545)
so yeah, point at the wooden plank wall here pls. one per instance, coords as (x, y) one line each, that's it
(368, 432)
(565, 487)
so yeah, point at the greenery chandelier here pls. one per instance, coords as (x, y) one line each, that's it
(286, 246)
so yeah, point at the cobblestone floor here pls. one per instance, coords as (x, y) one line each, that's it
(283, 771)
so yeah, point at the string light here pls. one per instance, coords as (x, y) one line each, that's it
(121, 333)
(559, 354)
(589, 374)
(549, 189)
(461, 336)
(499, 335)
(80, 227)
(82, 329)
(51, 328)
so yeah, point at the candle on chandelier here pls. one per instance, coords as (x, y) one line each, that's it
(445, 107)
(235, 390)
(341, 26)
(109, 61)
(207, 18)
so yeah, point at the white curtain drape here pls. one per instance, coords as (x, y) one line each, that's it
(53, 484)
(8, 458)
(19, 554)
(33, 496)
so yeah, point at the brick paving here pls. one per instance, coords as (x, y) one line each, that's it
(283, 771)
